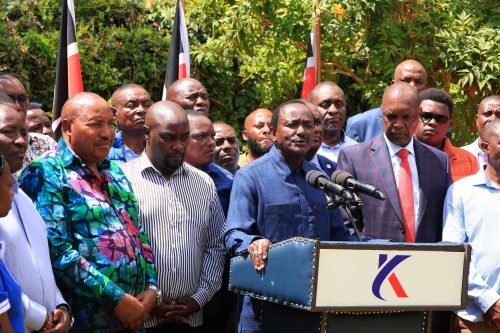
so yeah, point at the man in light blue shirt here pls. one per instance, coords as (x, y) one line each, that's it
(471, 215)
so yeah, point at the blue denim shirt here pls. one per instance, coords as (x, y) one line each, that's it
(272, 199)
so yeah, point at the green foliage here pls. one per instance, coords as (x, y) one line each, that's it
(250, 53)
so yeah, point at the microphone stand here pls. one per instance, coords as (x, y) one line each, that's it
(347, 205)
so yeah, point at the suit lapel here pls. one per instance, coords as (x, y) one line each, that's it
(382, 163)
(423, 163)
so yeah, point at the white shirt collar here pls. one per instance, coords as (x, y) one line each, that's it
(394, 148)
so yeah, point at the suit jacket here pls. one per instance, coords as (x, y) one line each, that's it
(365, 126)
(370, 163)
(327, 165)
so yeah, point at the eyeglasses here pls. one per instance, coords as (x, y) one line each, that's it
(220, 141)
(428, 116)
(19, 98)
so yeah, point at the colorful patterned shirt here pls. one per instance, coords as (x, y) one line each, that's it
(96, 248)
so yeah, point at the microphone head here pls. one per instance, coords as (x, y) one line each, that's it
(313, 176)
(340, 177)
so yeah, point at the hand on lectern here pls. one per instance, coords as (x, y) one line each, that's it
(258, 251)
(492, 316)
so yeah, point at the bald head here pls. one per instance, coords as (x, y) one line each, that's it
(77, 104)
(88, 127)
(190, 94)
(167, 136)
(400, 110)
(411, 72)
(164, 112)
(322, 86)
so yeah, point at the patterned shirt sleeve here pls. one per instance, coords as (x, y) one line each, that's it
(44, 187)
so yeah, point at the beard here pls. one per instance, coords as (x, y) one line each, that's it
(256, 148)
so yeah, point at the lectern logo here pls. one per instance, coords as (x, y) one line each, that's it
(386, 269)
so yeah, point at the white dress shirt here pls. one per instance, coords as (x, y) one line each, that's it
(474, 149)
(396, 165)
(27, 257)
(471, 215)
(332, 153)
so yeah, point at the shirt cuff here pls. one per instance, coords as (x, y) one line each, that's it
(113, 294)
(34, 314)
(486, 300)
(201, 297)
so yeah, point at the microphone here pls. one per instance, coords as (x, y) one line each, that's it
(345, 179)
(320, 180)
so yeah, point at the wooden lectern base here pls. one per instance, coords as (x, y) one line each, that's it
(376, 322)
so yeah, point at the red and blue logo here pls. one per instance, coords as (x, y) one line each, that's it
(386, 271)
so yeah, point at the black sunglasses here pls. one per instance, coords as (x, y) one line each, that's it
(439, 118)
(19, 98)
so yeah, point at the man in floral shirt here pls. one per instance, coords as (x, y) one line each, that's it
(102, 262)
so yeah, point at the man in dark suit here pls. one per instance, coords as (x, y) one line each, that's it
(368, 125)
(415, 185)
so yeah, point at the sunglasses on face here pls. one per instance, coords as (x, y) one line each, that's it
(428, 116)
(19, 98)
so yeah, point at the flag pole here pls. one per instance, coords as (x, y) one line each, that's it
(318, 42)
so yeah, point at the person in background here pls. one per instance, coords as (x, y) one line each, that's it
(368, 125)
(37, 120)
(257, 135)
(489, 110)
(471, 215)
(330, 100)
(38, 144)
(200, 154)
(435, 121)
(190, 94)
(227, 151)
(130, 103)
(320, 161)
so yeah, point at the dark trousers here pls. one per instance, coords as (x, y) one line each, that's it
(174, 328)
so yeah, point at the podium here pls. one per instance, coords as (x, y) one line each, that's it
(358, 287)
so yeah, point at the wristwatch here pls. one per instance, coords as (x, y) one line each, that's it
(158, 292)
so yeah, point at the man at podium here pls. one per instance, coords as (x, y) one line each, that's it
(271, 201)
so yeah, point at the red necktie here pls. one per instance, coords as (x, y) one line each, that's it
(405, 192)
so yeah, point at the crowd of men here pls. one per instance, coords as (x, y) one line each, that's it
(126, 224)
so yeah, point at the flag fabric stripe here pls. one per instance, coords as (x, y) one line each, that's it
(68, 72)
(178, 65)
(309, 81)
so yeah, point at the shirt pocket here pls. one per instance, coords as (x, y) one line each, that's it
(281, 221)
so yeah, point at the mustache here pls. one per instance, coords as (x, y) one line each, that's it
(298, 139)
